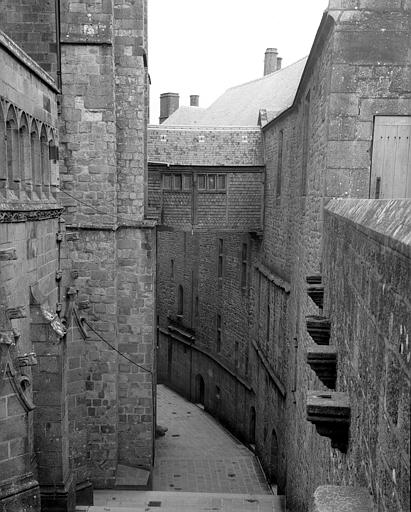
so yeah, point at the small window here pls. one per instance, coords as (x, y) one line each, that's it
(202, 182)
(167, 181)
(221, 182)
(244, 264)
(211, 182)
(180, 301)
(220, 258)
(280, 162)
(219, 333)
(177, 185)
(196, 307)
(186, 181)
(172, 268)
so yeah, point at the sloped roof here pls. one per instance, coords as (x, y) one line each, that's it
(240, 105)
(185, 116)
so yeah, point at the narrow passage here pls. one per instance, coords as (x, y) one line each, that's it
(199, 467)
(198, 455)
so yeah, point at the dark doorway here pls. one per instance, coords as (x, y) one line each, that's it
(200, 390)
(274, 458)
(252, 426)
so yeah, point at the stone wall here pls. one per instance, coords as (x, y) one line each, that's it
(325, 152)
(30, 428)
(366, 265)
(106, 404)
(205, 146)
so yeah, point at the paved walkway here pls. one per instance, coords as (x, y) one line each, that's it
(198, 455)
(199, 467)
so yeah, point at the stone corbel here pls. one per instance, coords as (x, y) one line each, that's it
(330, 412)
(319, 328)
(315, 290)
(8, 334)
(40, 300)
(323, 361)
(8, 254)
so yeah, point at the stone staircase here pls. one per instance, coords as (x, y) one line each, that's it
(157, 501)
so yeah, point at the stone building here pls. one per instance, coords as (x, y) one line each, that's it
(77, 256)
(284, 262)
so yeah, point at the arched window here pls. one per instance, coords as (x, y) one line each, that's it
(274, 458)
(180, 300)
(252, 426)
(35, 159)
(3, 156)
(199, 390)
(45, 161)
(25, 156)
(53, 160)
(12, 148)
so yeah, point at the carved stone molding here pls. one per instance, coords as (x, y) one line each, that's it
(319, 328)
(29, 359)
(323, 361)
(330, 412)
(8, 254)
(8, 216)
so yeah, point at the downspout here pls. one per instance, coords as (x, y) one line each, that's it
(58, 49)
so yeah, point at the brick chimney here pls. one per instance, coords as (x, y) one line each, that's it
(169, 103)
(272, 62)
(194, 100)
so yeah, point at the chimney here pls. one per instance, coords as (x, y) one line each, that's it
(270, 61)
(169, 103)
(194, 100)
(279, 61)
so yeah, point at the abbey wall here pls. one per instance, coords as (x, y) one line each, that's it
(78, 252)
(233, 302)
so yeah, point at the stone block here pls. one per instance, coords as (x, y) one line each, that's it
(335, 498)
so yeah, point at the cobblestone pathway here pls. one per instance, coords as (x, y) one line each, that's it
(198, 455)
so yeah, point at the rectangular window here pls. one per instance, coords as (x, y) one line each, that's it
(201, 182)
(244, 261)
(306, 127)
(280, 162)
(186, 181)
(177, 185)
(211, 182)
(219, 333)
(220, 258)
(221, 185)
(172, 268)
(167, 181)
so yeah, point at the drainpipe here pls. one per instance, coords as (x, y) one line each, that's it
(58, 52)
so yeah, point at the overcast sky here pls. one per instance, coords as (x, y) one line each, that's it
(206, 46)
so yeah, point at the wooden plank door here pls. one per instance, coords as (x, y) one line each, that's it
(391, 158)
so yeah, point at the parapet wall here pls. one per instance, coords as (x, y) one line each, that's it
(367, 279)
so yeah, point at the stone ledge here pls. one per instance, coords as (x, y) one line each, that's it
(330, 412)
(323, 361)
(334, 498)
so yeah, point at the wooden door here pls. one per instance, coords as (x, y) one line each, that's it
(391, 158)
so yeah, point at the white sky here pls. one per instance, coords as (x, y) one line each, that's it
(206, 46)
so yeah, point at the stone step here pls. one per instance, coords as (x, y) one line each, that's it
(157, 501)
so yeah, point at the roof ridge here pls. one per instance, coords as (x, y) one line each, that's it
(265, 76)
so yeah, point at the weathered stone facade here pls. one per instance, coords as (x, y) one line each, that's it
(243, 352)
(95, 265)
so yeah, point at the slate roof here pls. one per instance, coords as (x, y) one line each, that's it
(241, 105)
(185, 116)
